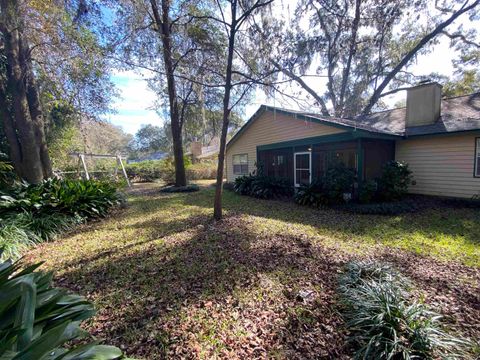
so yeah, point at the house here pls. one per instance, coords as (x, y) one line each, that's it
(438, 138)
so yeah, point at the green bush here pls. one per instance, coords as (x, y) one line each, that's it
(243, 184)
(328, 190)
(262, 187)
(202, 170)
(38, 321)
(35, 213)
(145, 171)
(383, 321)
(313, 194)
(338, 180)
(368, 191)
(269, 187)
(395, 180)
(84, 198)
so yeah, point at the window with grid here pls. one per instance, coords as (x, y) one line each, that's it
(240, 164)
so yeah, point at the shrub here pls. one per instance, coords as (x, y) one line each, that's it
(243, 184)
(84, 198)
(39, 320)
(313, 194)
(145, 171)
(384, 323)
(43, 211)
(202, 170)
(395, 180)
(338, 180)
(367, 191)
(268, 187)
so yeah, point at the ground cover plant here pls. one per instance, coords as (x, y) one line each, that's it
(262, 283)
(386, 322)
(33, 213)
(38, 320)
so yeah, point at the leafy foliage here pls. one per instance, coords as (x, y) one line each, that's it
(262, 187)
(339, 179)
(35, 213)
(84, 198)
(313, 194)
(329, 190)
(367, 191)
(243, 184)
(384, 322)
(38, 320)
(395, 180)
(145, 171)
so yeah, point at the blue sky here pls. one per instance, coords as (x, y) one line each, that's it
(134, 106)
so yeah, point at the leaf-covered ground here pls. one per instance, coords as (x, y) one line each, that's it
(171, 283)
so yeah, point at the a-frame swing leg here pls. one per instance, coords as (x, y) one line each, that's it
(120, 162)
(87, 176)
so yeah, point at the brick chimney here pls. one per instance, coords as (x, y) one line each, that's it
(423, 104)
(196, 149)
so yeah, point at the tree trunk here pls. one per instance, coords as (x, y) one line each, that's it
(163, 25)
(23, 118)
(217, 206)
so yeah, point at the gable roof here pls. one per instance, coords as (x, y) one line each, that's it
(461, 113)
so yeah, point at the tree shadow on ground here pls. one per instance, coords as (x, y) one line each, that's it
(184, 286)
(433, 220)
(216, 289)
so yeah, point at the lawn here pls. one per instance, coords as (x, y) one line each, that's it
(170, 282)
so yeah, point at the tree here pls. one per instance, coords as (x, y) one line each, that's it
(23, 119)
(243, 70)
(363, 48)
(150, 138)
(64, 61)
(179, 40)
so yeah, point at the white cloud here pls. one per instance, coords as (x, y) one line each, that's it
(134, 104)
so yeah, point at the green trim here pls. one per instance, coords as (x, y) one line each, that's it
(297, 116)
(451, 133)
(475, 159)
(360, 163)
(345, 136)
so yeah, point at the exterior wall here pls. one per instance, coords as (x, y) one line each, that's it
(268, 129)
(441, 165)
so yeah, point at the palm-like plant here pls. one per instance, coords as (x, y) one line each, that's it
(37, 319)
(385, 323)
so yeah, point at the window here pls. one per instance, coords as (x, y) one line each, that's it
(240, 164)
(477, 157)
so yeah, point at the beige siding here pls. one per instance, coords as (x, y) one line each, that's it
(441, 165)
(270, 129)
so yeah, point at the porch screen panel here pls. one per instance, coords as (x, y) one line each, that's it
(277, 163)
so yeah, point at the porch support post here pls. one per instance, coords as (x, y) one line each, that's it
(360, 163)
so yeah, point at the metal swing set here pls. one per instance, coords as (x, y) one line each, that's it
(83, 164)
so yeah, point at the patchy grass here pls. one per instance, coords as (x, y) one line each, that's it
(171, 283)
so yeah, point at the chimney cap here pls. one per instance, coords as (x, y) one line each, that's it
(426, 82)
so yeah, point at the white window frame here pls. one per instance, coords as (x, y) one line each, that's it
(233, 164)
(476, 168)
(295, 166)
